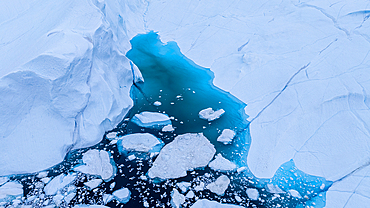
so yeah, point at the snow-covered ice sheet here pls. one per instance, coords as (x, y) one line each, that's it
(184, 153)
(300, 66)
(151, 119)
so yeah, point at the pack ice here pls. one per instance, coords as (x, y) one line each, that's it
(64, 80)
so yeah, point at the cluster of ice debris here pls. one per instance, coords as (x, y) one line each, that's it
(186, 173)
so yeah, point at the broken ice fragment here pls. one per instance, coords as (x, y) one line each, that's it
(93, 183)
(274, 189)
(140, 142)
(168, 128)
(190, 195)
(253, 193)
(220, 185)
(205, 203)
(295, 193)
(96, 162)
(226, 136)
(111, 135)
(122, 195)
(151, 119)
(184, 153)
(157, 103)
(177, 199)
(221, 164)
(10, 189)
(210, 115)
(58, 183)
(183, 186)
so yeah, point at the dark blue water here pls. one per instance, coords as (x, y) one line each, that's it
(184, 89)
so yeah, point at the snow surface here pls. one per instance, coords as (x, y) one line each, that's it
(226, 136)
(151, 119)
(222, 164)
(141, 142)
(122, 195)
(220, 185)
(184, 153)
(210, 115)
(302, 69)
(205, 203)
(97, 162)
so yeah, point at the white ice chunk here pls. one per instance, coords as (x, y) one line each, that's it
(183, 186)
(205, 203)
(295, 193)
(58, 199)
(226, 136)
(96, 162)
(10, 189)
(210, 115)
(141, 142)
(157, 103)
(177, 199)
(220, 185)
(107, 198)
(190, 194)
(151, 119)
(90, 206)
(93, 183)
(253, 193)
(111, 135)
(184, 153)
(58, 183)
(42, 174)
(222, 164)
(274, 189)
(199, 187)
(168, 128)
(122, 195)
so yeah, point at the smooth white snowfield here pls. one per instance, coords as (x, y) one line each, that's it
(184, 153)
(316, 115)
(64, 79)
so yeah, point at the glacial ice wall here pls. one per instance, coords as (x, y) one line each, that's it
(64, 80)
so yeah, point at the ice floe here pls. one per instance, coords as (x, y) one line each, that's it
(205, 203)
(97, 162)
(122, 195)
(93, 183)
(220, 185)
(151, 119)
(184, 153)
(177, 199)
(10, 189)
(253, 193)
(222, 164)
(140, 142)
(210, 115)
(168, 128)
(58, 183)
(226, 136)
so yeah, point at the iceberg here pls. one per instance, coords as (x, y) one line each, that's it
(58, 183)
(253, 193)
(186, 152)
(10, 190)
(177, 199)
(151, 119)
(93, 183)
